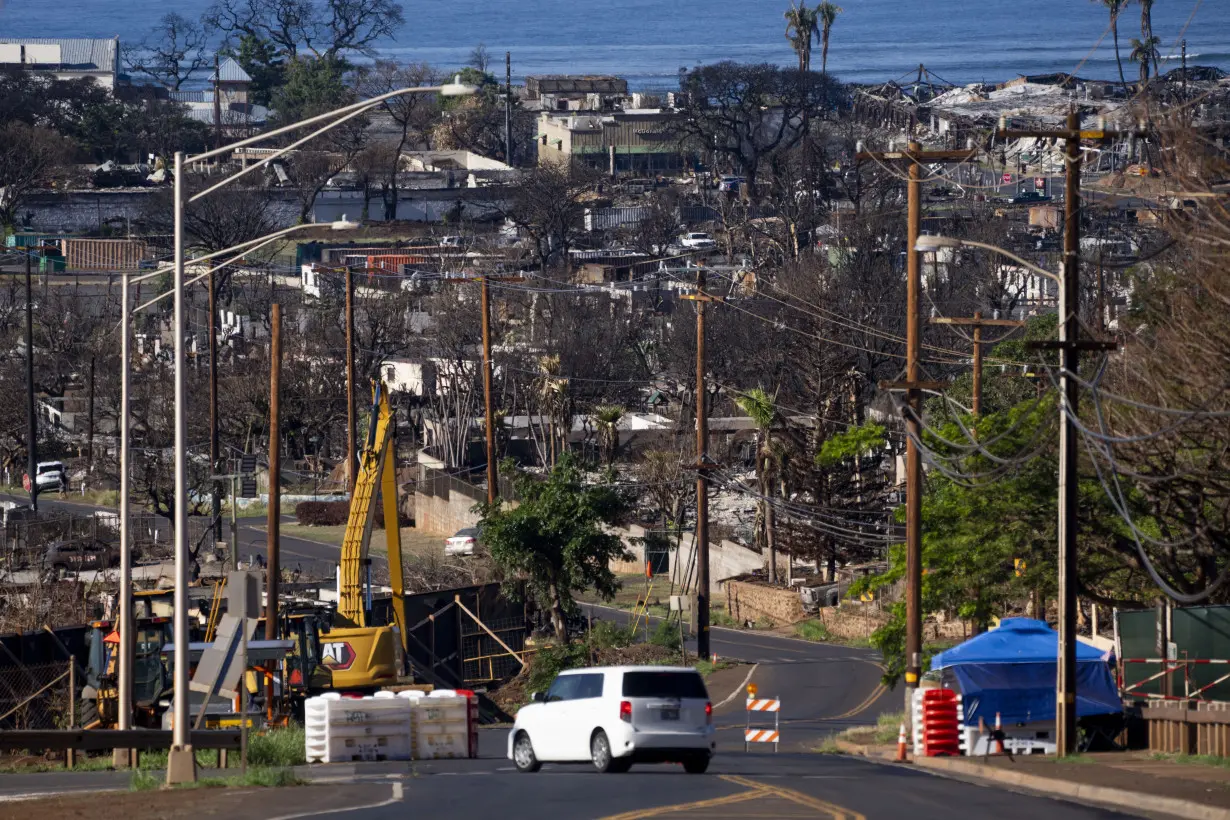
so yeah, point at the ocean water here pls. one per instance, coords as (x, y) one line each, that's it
(649, 41)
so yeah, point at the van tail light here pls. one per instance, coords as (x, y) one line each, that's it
(709, 713)
(625, 711)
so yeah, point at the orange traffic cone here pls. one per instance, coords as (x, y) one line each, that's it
(999, 735)
(901, 750)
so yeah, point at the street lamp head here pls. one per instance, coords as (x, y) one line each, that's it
(345, 224)
(457, 88)
(931, 244)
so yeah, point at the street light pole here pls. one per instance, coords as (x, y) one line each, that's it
(493, 489)
(121, 757)
(181, 764)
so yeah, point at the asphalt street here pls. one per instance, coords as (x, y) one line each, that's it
(312, 557)
(738, 785)
(823, 688)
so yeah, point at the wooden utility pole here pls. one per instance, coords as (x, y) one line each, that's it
(493, 477)
(273, 569)
(978, 323)
(1069, 346)
(352, 469)
(702, 466)
(89, 429)
(214, 450)
(916, 157)
(493, 489)
(31, 417)
(508, 140)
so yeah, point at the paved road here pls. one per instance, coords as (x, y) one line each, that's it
(313, 558)
(823, 688)
(738, 785)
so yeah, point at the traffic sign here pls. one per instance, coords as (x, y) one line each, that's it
(247, 464)
(25, 481)
(1040, 183)
(1007, 178)
(247, 488)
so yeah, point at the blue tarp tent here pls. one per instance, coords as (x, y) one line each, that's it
(1011, 670)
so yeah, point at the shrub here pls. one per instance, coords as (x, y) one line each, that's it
(550, 661)
(610, 635)
(666, 634)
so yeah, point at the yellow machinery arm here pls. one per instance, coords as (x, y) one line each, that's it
(377, 463)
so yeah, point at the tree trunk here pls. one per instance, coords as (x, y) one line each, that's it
(824, 53)
(557, 615)
(769, 540)
(1114, 32)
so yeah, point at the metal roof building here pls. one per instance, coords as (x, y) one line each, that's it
(66, 58)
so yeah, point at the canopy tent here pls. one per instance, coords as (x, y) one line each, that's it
(1011, 670)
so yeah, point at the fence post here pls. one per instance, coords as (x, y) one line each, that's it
(71, 755)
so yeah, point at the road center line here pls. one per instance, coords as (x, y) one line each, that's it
(754, 793)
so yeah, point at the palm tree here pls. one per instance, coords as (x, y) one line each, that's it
(828, 14)
(1144, 52)
(802, 24)
(606, 418)
(1115, 7)
(762, 409)
(1146, 27)
(552, 394)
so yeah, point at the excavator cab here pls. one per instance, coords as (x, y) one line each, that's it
(151, 678)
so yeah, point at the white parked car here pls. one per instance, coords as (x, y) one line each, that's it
(51, 476)
(697, 239)
(463, 543)
(615, 716)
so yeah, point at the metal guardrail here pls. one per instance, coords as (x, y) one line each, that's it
(96, 740)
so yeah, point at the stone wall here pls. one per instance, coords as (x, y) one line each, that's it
(443, 516)
(750, 601)
(852, 621)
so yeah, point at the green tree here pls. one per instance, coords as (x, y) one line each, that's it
(557, 538)
(263, 62)
(827, 13)
(606, 418)
(1144, 53)
(313, 85)
(802, 26)
(761, 408)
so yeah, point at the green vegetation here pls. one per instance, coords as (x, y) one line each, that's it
(829, 746)
(814, 629)
(557, 538)
(888, 727)
(257, 776)
(280, 747)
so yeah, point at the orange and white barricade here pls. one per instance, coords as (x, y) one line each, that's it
(758, 735)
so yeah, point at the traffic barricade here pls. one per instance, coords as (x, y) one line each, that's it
(761, 705)
(442, 726)
(347, 729)
(938, 718)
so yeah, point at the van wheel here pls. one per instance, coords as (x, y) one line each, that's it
(523, 754)
(696, 764)
(600, 754)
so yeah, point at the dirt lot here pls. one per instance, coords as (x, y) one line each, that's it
(234, 804)
(413, 541)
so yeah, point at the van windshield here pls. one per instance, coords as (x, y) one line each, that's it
(664, 685)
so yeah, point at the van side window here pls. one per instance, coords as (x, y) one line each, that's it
(564, 688)
(590, 686)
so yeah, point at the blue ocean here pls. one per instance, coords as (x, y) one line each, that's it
(649, 41)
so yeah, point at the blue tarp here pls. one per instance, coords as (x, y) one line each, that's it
(1011, 670)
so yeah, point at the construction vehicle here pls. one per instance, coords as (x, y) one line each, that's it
(340, 650)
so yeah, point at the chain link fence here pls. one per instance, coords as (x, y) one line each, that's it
(36, 696)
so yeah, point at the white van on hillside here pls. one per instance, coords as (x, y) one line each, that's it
(615, 716)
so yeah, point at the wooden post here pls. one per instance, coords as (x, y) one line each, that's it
(273, 570)
(70, 759)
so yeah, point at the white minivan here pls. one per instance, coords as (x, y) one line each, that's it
(616, 716)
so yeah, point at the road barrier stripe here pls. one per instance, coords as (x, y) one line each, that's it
(764, 705)
(760, 736)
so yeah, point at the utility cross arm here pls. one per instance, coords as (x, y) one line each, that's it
(919, 156)
(887, 385)
(976, 322)
(1083, 344)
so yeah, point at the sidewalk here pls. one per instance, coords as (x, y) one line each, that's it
(1128, 780)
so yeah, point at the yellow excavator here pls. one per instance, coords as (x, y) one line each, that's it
(351, 653)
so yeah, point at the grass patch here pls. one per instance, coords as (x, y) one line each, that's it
(257, 777)
(829, 746)
(279, 747)
(888, 727)
(814, 629)
(1080, 759)
(1193, 760)
(707, 667)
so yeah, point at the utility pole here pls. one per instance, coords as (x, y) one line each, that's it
(273, 527)
(216, 504)
(89, 429)
(31, 418)
(493, 489)
(217, 130)
(508, 158)
(352, 469)
(916, 157)
(1069, 346)
(702, 466)
(978, 323)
